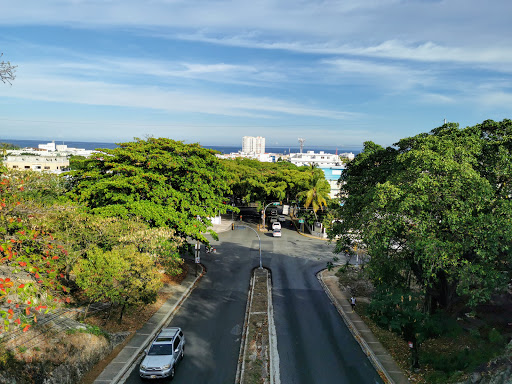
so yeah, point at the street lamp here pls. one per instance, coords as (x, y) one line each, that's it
(252, 229)
(265, 209)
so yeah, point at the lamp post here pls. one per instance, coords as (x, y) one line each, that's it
(259, 240)
(265, 209)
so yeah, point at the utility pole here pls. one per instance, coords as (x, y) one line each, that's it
(197, 258)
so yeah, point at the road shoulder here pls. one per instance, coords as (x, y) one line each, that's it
(378, 355)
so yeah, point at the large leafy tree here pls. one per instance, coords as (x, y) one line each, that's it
(167, 183)
(434, 213)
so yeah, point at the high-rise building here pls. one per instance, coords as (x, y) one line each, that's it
(251, 144)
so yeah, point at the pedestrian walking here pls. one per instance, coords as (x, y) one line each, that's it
(353, 302)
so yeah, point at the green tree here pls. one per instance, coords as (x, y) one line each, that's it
(122, 276)
(431, 215)
(166, 183)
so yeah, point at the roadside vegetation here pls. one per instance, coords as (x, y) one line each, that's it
(434, 217)
(112, 230)
(102, 233)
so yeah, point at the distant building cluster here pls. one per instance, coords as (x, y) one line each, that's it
(46, 158)
(331, 164)
(54, 158)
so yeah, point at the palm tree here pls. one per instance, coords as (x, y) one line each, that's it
(317, 195)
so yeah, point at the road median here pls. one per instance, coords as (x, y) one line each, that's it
(259, 360)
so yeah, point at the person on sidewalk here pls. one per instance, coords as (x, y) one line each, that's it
(353, 302)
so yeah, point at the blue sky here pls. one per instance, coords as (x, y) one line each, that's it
(336, 73)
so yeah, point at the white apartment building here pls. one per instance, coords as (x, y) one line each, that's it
(251, 144)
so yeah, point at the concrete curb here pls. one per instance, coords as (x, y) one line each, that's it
(243, 343)
(275, 375)
(126, 369)
(357, 336)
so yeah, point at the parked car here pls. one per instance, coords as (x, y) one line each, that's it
(276, 225)
(165, 352)
(276, 233)
(282, 218)
(273, 212)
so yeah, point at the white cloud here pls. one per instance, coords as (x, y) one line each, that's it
(461, 31)
(64, 90)
(393, 77)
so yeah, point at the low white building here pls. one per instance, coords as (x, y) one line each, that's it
(41, 163)
(63, 148)
(320, 159)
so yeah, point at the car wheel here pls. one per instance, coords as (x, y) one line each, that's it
(171, 374)
(182, 353)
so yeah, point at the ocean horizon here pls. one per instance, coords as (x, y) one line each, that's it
(92, 145)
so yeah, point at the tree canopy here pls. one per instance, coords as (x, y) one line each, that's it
(167, 183)
(434, 212)
(255, 181)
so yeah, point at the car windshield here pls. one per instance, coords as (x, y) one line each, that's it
(160, 349)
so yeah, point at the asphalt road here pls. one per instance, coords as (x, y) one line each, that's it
(313, 343)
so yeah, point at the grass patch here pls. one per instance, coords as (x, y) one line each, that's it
(91, 329)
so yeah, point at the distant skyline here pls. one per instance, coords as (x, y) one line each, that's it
(336, 73)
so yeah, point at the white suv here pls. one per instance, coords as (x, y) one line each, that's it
(165, 352)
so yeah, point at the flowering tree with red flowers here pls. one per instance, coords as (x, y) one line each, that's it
(30, 259)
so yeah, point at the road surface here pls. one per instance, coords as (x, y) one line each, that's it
(313, 343)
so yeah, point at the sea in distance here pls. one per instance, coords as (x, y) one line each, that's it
(223, 149)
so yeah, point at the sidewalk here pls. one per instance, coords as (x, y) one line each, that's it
(120, 365)
(225, 224)
(378, 355)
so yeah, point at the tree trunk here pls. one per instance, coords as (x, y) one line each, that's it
(122, 311)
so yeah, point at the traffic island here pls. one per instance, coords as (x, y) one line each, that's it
(259, 361)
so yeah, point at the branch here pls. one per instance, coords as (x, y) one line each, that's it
(7, 71)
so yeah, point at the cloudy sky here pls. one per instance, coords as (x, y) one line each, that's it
(336, 73)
